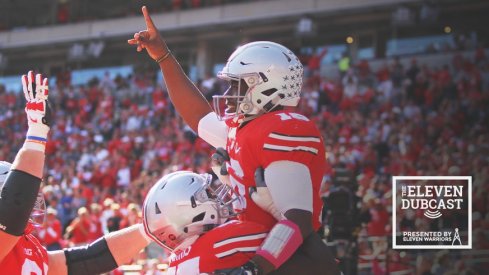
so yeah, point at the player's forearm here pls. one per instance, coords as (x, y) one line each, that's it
(187, 99)
(297, 227)
(124, 244)
(19, 192)
(312, 257)
(303, 219)
(29, 161)
(101, 256)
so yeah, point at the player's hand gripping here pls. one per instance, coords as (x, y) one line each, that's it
(150, 39)
(218, 165)
(37, 107)
(262, 197)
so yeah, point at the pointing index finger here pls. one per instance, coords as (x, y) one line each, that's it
(147, 18)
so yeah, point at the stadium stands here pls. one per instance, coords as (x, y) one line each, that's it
(412, 103)
(115, 135)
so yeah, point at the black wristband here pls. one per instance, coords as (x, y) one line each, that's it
(95, 258)
(19, 194)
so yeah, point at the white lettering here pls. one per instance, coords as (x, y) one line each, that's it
(28, 251)
(432, 190)
(457, 191)
(287, 116)
(431, 204)
(412, 190)
(181, 255)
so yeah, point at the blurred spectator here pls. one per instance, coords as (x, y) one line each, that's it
(63, 13)
(107, 212)
(133, 216)
(78, 232)
(50, 234)
(344, 64)
(350, 85)
(114, 222)
(442, 263)
(95, 230)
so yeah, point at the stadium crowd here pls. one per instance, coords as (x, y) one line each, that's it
(114, 137)
(76, 11)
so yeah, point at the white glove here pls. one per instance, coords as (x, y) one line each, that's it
(262, 197)
(218, 165)
(37, 108)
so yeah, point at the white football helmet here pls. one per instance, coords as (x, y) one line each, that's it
(185, 204)
(38, 214)
(4, 169)
(272, 73)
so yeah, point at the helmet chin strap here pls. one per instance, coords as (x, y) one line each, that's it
(247, 107)
(247, 118)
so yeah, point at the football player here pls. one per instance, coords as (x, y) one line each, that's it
(258, 131)
(21, 205)
(183, 213)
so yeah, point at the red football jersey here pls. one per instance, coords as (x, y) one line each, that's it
(28, 257)
(274, 136)
(227, 246)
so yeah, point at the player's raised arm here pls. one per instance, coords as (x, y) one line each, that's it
(102, 255)
(20, 183)
(188, 100)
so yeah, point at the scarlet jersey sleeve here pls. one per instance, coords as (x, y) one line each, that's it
(229, 245)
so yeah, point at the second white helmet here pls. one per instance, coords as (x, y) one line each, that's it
(185, 204)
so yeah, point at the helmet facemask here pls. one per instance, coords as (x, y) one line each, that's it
(218, 193)
(38, 214)
(238, 94)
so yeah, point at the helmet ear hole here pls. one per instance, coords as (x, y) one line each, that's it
(157, 208)
(269, 92)
(199, 217)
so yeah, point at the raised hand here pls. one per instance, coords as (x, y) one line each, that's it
(37, 108)
(150, 39)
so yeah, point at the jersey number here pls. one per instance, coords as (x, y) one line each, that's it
(238, 186)
(31, 268)
(287, 116)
